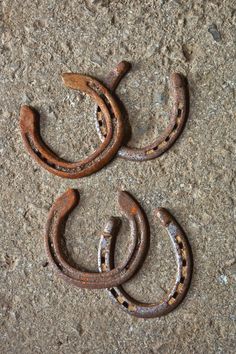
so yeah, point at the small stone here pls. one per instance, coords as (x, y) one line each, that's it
(26, 99)
(214, 32)
(52, 115)
(151, 49)
(223, 280)
(159, 98)
(3, 144)
(96, 59)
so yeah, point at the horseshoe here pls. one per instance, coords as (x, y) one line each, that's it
(180, 95)
(183, 278)
(137, 251)
(30, 130)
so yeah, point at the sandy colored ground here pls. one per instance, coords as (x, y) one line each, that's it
(195, 180)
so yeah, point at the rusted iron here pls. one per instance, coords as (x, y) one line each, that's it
(180, 96)
(183, 278)
(30, 130)
(137, 251)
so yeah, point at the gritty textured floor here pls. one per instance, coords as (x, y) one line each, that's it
(195, 180)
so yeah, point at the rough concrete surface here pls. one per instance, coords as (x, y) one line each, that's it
(195, 179)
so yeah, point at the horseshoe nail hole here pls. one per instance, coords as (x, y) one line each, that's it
(175, 295)
(167, 138)
(43, 158)
(171, 301)
(179, 112)
(175, 126)
(103, 260)
(100, 123)
(155, 148)
(98, 109)
(108, 105)
(178, 120)
(184, 263)
(149, 152)
(178, 239)
(52, 165)
(102, 96)
(181, 246)
(125, 304)
(114, 293)
(182, 280)
(106, 100)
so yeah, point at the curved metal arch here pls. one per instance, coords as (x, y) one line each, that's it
(180, 96)
(30, 130)
(137, 251)
(183, 278)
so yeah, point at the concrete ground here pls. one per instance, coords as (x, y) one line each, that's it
(195, 180)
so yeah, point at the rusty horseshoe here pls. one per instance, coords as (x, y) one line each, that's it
(57, 217)
(30, 130)
(180, 96)
(184, 272)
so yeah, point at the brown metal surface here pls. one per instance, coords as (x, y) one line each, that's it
(118, 275)
(180, 97)
(183, 278)
(30, 130)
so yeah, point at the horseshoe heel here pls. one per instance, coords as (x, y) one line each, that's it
(180, 96)
(137, 251)
(183, 277)
(30, 130)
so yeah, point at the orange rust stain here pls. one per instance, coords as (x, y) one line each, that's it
(84, 279)
(134, 210)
